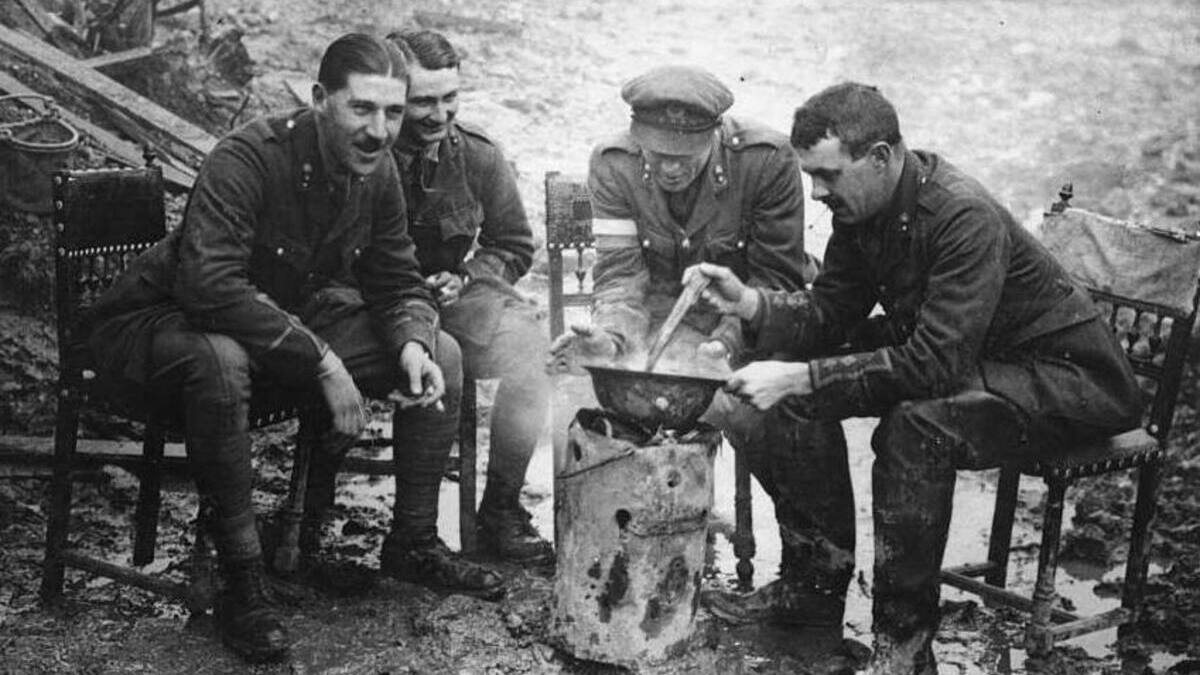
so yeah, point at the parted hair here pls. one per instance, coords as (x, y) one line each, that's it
(855, 113)
(359, 53)
(428, 48)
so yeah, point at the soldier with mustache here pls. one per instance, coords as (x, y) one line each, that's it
(986, 351)
(293, 263)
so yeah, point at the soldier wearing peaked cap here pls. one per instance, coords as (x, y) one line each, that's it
(685, 184)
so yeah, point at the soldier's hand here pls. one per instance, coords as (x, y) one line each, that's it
(425, 382)
(447, 285)
(765, 383)
(342, 395)
(581, 343)
(725, 291)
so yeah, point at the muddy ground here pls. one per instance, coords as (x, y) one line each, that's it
(1024, 94)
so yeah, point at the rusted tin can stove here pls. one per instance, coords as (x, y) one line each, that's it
(631, 515)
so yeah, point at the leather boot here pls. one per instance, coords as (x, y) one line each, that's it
(782, 602)
(245, 620)
(509, 534)
(429, 562)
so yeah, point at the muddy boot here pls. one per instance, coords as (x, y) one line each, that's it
(908, 656)
(245, 620)
(781, 602)
(509, 534)
(430, 563)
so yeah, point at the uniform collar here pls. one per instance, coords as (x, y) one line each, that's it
(903, 207)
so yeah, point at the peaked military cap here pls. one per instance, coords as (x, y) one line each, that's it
(675, 108)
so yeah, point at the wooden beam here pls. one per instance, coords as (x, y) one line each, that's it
(171, 136)
(118, 58)
(110, 144)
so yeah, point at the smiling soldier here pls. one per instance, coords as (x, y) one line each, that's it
(474, 242)
(687, 184)
(293, 263)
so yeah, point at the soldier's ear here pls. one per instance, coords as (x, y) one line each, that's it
(319, 95)
(881, 154)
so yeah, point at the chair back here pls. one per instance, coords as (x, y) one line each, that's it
(103, 219)
(1145, 281)
(568, 227)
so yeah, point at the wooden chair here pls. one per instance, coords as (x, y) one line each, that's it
(569, 228)
(1154, 322)
(104, 219)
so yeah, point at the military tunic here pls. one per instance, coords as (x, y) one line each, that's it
(968, 296)
(272, 239)
(748, 215)
(466, 217)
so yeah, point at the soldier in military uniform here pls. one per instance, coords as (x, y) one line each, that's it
(687, 184)
(474, 242)
(986, 352)
(293, 262)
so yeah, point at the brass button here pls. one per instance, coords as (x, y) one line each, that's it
(279, 251)
(686, 243)
(645, 243)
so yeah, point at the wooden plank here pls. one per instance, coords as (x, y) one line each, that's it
(118, 58)
(125, 575)
(41, 448)
(107, 142)
(1000, 595)
(171, 135)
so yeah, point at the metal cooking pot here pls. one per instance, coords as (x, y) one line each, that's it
(654, 400)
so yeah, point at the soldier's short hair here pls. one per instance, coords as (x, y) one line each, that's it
(428, 48)
(359, 53)
(855, 113)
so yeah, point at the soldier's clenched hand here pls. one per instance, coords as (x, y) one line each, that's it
(447, 285)
(725, 291)
(425, 382)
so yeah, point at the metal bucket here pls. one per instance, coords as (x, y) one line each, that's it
(631, 519)
(30, 151)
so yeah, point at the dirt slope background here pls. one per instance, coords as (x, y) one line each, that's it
(1023, 94)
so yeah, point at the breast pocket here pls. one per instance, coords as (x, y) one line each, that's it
(658, 250)
(278, 268)
(445, 234)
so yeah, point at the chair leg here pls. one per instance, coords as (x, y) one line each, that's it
(145, 516)
(467, 424)
(743, 536)
(1000, 539)
(59, 513)
(1038, 639)
(1144, 511)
